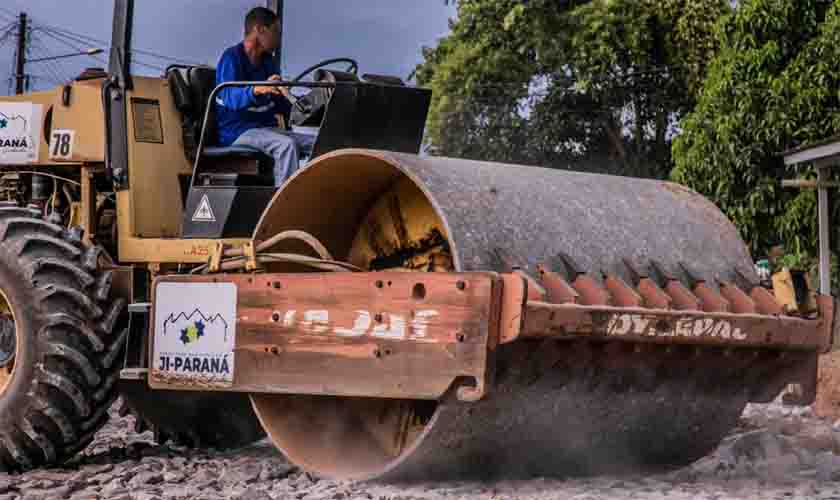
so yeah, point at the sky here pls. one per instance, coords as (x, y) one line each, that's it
(385, 36)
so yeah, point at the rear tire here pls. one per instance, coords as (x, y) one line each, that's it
(64, 373)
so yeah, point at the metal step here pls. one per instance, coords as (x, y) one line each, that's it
(134, 374)
(140, 307)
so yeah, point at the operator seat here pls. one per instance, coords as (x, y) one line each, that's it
(227, 202)
(225, 166)
(230, 186)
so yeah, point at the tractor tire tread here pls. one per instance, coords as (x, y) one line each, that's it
(72, 314)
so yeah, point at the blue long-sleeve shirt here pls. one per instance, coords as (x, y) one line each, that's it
(238, 109)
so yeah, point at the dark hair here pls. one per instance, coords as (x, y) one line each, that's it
(259, 16)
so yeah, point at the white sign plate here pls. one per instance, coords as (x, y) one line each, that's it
(195, 333)
(20, 123)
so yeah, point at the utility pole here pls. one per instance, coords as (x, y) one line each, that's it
(20, 71)
(278, 8)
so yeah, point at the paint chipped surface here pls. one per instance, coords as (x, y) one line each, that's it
(420, 324)
(361, 325)
(649, 326)
(386, 326)
(316, 321)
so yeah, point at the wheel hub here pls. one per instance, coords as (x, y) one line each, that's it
(8, 340)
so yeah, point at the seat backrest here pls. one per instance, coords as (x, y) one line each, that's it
(202, 80)
(191, 87)
(181, 94)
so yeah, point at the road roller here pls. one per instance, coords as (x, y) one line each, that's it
(385, 314)
(471, 319)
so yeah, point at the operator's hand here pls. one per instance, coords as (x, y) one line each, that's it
(263, 89)
(283, 90)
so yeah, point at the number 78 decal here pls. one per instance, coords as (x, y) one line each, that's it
(61, 144)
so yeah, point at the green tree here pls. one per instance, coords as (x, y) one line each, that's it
(773, 85)
(595, 85)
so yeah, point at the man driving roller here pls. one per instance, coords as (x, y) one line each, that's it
(247, 116)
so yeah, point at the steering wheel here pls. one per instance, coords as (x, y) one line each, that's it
(353, 68)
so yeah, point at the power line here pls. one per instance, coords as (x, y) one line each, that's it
(60, 71)
(7, 28)
(46, 67)
(50, 67)
(32, 47)
(8, 17)
(87, 39)
(57, 66)
(68, 40)
(57, 37)
(147, 65)
(165, 58)
(50, 79)
(82, 38)
(5, 40)
(78, 37)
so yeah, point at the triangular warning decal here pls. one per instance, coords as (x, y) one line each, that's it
(204, 213)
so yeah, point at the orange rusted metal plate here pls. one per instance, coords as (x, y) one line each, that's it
(827, 402)
(393, 335)
(741, 302)
(654, 297)
(710, 299)
(557, 289)
(681, 296)
(765, 302)
(515, 294)
(674, 326)
(623, 294)
(591, 291)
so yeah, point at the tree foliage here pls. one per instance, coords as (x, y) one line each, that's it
(775, 84)
(597, 85)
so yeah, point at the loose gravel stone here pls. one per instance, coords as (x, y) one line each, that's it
(274, 471)
(114, 488)
(145, 478)
(146, 495)
(776, 453)
(86, 495)
(6, 484)
(173, 477)
(253, 494)
(244, 473)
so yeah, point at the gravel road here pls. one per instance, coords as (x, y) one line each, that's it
(776, 453)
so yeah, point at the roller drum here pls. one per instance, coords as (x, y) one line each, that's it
(556, 407)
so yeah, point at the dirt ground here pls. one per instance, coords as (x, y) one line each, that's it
(776, 453)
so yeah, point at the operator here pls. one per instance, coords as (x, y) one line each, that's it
(247, 116)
